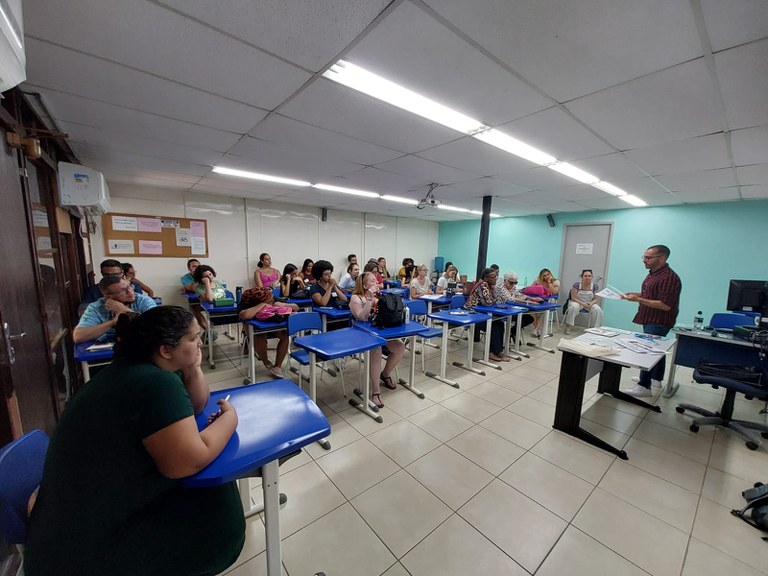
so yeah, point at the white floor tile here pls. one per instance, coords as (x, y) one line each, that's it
(486, 449)
(404, 442)
(356, 467)
(440, 422)
(704, 560)
(514, 428)
(665, 464)
(575, 456)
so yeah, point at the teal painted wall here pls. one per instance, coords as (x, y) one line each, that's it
(710, 244)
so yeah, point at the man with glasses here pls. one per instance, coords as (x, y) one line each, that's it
(659, 300)
(109, 267)
(99, 319)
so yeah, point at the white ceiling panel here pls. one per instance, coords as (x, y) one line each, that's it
(610, 167)
(643, 187)
(694, 181)
(83, 111)
(382, 182)
(113, 171)
(569, 49)
(710, 195)
(702, 153)
(100, 80)
(93, 154)
(223, 65)
(754, 192)
(750, 146)
(475, 156)
(538, 178)
(429, 58)
(734, 22)
(489, 187)
(339, 109)
(425, 171)
(605, 203)
(147, 181)
(753, 175)
(743, 75)
(307, 32)
(673, 104)
(234, 186)
(288, 132)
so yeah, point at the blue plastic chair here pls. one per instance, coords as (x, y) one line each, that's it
(21, 470)
(727, 320)
(457, 301)
(418, 310)
(303, 322)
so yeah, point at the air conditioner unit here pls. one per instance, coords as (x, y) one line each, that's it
(84, 187)
(13, 61)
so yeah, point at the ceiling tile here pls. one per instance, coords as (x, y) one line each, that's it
(382, 182)
(743, 75)
(750, 146)
(475, 156)
(734, 22)
(702, 180)
(425, 171)
(569, 49)
(485, 187)
(96, 154)
(710, 195)
(106, 82)
(754, 192)
(757, 174)
(306, 32)
(222, 65)
(702, 153)
(537, 178)
(610, 167)
(234, 186)
(673, 104)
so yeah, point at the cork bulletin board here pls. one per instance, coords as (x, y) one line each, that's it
(154, 236)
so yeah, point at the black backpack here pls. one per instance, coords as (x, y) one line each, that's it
(390, 311)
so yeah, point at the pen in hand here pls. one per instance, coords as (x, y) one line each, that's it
(215, 415)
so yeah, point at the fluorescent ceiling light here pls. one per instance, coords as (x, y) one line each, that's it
(634, 200)
(400, 199)
(12, 26)
(343, 190)
(257, 176)
(515, 146)
(380, 88)
(610, 188)
(479, 212)
(572, 172)
(453, 208)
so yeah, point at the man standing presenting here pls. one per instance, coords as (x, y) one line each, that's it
(659, 300)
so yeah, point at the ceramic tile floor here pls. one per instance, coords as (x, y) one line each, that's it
(474, 481)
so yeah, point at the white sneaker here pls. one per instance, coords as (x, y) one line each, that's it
(654, 383)
(638, 391)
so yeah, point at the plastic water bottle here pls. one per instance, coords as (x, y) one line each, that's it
(698, 321)
(238, 294)
(407, 315)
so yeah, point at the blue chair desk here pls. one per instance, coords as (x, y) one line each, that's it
(547, 308)
(88, 358)
(337, 344)
(505, 311)
(217, 315)
(405, 331)
(191, 297)
(304, 303)
(259, 327)
(458, 318)
(391, 284)
(275, 419)
(327, 312)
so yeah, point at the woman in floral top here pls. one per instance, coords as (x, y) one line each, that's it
(482, 293)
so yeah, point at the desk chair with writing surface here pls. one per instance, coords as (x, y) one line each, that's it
(724, 417)
(418, 309)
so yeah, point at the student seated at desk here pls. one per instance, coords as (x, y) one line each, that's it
(251, 303)
(583, 297)
(187, 281)
(324, 291)
(506, 292)
(347, 281)
(208, 288)
(138, 286)
(482, 293)
(420, 285)
(403, 274)
(99, 319)
(306, 271)
(373, 267)
(449, 276)
(551, 287)
(291, 281)
(382, 262)
(109, 267)
(111, 501)
(266, 275)
(362, 304)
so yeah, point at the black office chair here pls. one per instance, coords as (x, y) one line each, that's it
(724, 417)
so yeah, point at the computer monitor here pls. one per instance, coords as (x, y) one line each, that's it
(748, 296)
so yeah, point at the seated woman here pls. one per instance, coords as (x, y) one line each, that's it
(583, 297)
(324, 291)
(402, 274)
(208, 288)
(552, 286)
(382, 262)
(265, 275)
(482, 292)
(110, 501)
(373, 267)
(138, 286)
(306, 271)
(448, 276)
(362, 304)
(251, 303)
(347, 281)
(291, 281)
(506, 292)
(421, 285)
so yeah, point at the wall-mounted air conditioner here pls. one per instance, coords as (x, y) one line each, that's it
(84, 187)
(13, 61)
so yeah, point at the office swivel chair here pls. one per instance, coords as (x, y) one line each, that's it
(724, 417)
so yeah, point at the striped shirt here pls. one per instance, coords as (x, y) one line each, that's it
(664, 285)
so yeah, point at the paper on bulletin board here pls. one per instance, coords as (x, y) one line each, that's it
(44, 243)
(198, 245)
(154, 247)
(149, 225)
(40, 219)
(120, 246)
(170, 223)
(125, 224)
(585, 248)
(197, 229)
(182, 237)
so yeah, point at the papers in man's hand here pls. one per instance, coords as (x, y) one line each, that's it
(100, 346)
(593, 349)
(611, 293)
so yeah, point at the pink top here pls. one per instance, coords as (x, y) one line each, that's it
(268, 279)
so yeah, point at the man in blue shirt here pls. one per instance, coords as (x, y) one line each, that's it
(109, 267)
(99, 319)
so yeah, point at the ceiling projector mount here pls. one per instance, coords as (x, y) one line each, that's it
(429, 199)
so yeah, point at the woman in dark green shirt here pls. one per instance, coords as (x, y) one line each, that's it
(111, 501)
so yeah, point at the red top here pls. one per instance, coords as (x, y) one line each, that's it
(664, 285)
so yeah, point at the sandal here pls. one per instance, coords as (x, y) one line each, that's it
(387, 381)
(377, 400)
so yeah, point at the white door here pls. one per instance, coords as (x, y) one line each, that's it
(585, 246)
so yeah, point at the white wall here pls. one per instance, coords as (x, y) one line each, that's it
(239, 230)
